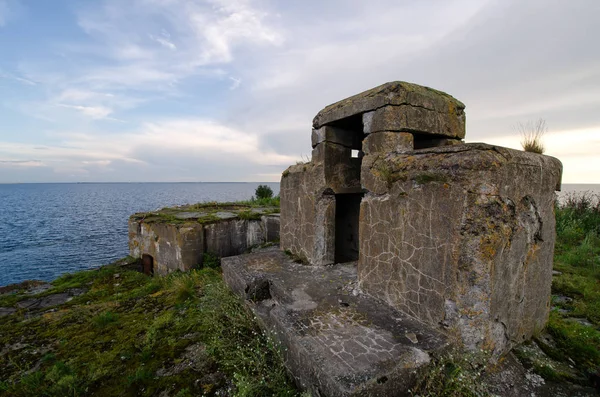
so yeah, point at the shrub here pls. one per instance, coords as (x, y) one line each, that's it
(263, 192)
(532, 134)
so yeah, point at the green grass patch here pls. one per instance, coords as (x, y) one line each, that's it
(577, 257)
(131, 335)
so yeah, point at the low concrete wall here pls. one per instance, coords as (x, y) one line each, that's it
(174, 246)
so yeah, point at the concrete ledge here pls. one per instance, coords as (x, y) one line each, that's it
(337, 342)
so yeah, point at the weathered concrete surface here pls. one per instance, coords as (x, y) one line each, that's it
(400, 106)
(337, 342)
(462, 236)
(341, 171)
(172, 246)
(387, 142)
(307, 214)
(181, 246)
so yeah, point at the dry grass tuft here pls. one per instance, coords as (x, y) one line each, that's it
(532, 133)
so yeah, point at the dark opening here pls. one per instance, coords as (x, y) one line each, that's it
(424, 141)
(347, 210)
(147, 264)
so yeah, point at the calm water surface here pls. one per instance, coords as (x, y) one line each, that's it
(50, 229)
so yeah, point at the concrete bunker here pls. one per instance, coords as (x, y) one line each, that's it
(413, 242)
(431, 220)
(177, 239)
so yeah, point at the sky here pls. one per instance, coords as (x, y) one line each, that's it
(215, 90)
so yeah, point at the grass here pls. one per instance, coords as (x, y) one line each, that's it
(131, 335)
(455, 374)
(577, 257)
(532, 134)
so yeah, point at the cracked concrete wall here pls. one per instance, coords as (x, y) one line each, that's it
(182, 246)
(307, 214)
(462, 236)
(456, 235)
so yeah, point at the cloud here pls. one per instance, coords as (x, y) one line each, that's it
(192, 149)
(20, 163)
(164, 42)
(173, 70)
(207, 33)
(235, 83)
(95, 112)
(20, 79)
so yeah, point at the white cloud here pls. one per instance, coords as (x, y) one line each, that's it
(20, 79)
(188, 59)
(207, 33)
(235, 83)
(181, 144)
(95, 112)
(164, 42)
(21, 163)
(576, 149)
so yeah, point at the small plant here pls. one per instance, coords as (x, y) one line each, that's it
(211, 261)
(104, 319)
(532, 133)
(263, 192)
(454, 374)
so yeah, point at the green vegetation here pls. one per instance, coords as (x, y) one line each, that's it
(576, 291)
(209, 212)
(453, 375)
(532, 134)
(211, 261)
(131, 334)
(263, 192)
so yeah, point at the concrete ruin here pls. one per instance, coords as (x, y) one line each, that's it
(453, 234)
(457, 237)
(178, 238)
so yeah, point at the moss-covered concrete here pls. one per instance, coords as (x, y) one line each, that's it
(178, 238)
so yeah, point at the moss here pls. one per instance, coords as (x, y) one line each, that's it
(285, 173)
(428, 177)
(389, 175)
(249, 215)
(114, 339)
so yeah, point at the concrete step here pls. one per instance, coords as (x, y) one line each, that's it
(336, 341)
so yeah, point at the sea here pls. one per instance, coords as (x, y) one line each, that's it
(50, 229)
